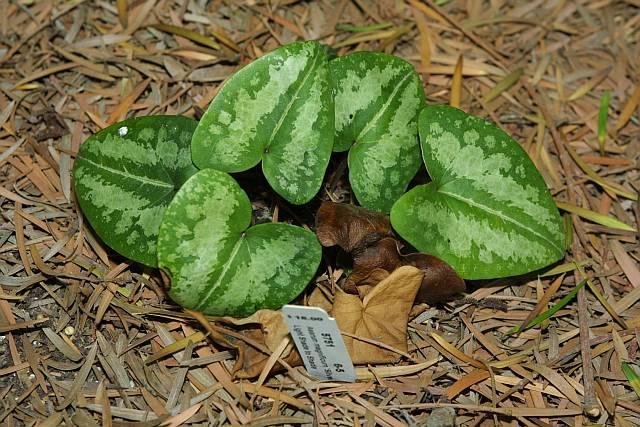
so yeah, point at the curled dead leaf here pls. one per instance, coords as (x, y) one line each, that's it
(440, 281)
(381, 316)
(368, 282)
(382, 255)
(347, 225)
(367, 236)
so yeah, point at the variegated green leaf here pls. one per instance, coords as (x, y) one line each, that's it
(487, 212)
(126, 175)
(220, 267)
(278, 109)
(377, 100)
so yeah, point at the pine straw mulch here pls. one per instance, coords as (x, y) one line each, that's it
(73, 351)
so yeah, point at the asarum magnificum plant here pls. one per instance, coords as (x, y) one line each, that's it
(157, 189)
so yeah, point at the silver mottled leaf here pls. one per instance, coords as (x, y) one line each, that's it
(278, 110)
(377, 100)
(220, 267)
(487, 212)
(126, 175)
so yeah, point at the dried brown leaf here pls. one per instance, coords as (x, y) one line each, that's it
(558, 381)
(381, 255)
(270, 330)
(440, 281)
(319, 299)
(123, 12)
(174, 347)
(182, 417)
(254, 360)
(371, 373)
(456, 84)
(382, 316)
(348, 225)
(80, 379)
(628, 109)
(70, 352)
(271, 323)
(465, 382)
(276, 395)
(451, 349)
(366, 282)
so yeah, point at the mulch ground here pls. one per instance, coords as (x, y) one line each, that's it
(73, 350)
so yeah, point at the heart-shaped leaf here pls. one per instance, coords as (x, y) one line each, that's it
(220, 267)
(278, 109)
(377, 100)
(126, 175)
(488, 212)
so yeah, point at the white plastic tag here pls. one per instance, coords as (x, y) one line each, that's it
(319, 342)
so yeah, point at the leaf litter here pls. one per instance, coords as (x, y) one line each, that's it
(90, 339)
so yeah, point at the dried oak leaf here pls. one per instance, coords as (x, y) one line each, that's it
(381, 316)
(347, 225)
(440, 281)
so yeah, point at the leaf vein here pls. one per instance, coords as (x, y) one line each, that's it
(502, 216)
(126, 174)
(223, 273)
(384, 108)
(294, 98)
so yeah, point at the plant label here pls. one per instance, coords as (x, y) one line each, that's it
(319, 343)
